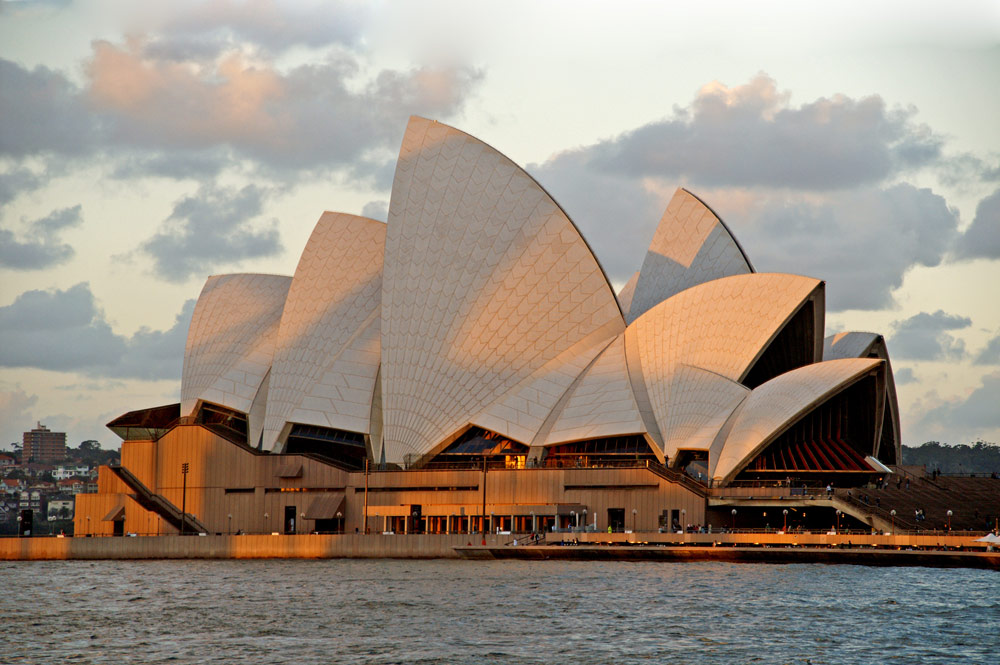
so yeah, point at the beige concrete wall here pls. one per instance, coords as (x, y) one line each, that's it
(412, 546)
(217, 465)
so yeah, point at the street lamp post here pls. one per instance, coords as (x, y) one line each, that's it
(572, 517)
(584, 519)
(684, 528)
(266, 517)
(230, 516)
(893, 514)
(949, 519)
(785, 513)
(838, 521)
(185, 467)
(734, 519)
(634, 514)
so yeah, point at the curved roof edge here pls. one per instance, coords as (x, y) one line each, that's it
(230, 341)
(781, 402)
(551, 198)
(724, 226)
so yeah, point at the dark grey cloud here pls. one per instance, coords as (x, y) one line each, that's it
(318, 115)
(926, 336)
(982, 238)
(861, 243)
(42, 248)
(17, 181)
(761, 162)
(178, 165)
(198, 111)
(750, 136)
(42, 112)
(214, 227)
(989, 354)
(66, 331)
(966, 419)
(903, 375)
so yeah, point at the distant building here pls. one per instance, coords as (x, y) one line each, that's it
(6, 461)
(43, 445)
(60, 509)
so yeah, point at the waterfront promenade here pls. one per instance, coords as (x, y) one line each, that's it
(915, 549)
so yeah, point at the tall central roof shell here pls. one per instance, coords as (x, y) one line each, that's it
(486, 281)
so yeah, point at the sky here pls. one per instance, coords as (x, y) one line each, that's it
(143, 149)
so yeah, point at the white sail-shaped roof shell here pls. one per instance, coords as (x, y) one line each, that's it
(600, 403)
(691, 246)
(695, 348)
(231, 340)
(521, 414)
(776, 405)
(627, 292)
(328, 347)
(869, 345)
(486, 281)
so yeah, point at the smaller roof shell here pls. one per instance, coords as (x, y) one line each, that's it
(231, 339)
(691, 246)
(775, 406)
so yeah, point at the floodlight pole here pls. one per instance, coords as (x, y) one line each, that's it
(185, 467)
(484, 494)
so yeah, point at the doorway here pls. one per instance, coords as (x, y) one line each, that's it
(289, 519)
(616, 519)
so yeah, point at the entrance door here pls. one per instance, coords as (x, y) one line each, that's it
(289, 519)
(119, 527)
(616, 519)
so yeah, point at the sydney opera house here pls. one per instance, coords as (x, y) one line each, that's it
(467, 365)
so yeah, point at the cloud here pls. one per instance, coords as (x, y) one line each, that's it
(990, 354)
(769, 167)
(42, 112)
(15, 412)
(15, 182)
(318, 115)
(903, 375)
(974, 417)
(275, 26)
(177, 165)
(844, 238)
(376, 210)
(66, 331)
(43, 248)
(982, 238)
(214, 227)
(750, 135)
(924, 337)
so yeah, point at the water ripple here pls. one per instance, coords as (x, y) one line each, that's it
(341, 611)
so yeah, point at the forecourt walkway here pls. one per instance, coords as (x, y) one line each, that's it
(932, 550)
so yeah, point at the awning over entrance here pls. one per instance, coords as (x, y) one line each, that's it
(326, 507)
(290, 470)
(117, 513)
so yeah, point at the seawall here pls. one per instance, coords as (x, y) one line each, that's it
(936, 550)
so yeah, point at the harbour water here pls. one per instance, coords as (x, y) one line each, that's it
(446, 611)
